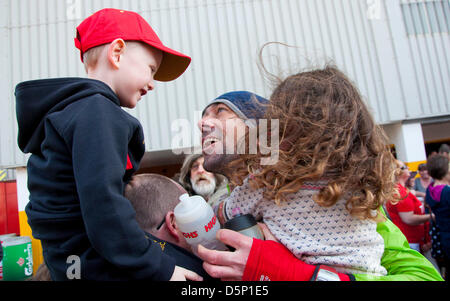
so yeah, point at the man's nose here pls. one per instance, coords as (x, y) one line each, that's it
(151, 84)
(205, 124)
(201, 169)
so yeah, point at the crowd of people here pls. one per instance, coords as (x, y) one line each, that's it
(413, 211)
(320, 204)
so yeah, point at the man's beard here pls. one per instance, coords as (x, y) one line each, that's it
(204, 187)
(217, 163)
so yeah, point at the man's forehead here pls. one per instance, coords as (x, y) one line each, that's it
(198, 160)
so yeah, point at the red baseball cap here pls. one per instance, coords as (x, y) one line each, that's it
(109, 24)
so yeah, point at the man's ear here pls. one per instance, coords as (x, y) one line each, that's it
(115, 51)
(172, 225)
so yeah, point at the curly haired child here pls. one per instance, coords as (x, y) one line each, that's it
(322, 198)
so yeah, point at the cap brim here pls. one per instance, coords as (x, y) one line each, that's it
(173, 64)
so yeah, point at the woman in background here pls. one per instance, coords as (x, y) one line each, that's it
(407, 212)
(421, 183)
(438, 198)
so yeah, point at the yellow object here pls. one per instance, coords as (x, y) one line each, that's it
(36, 246)
(413, 166)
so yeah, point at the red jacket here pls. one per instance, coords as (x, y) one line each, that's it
(408, 202)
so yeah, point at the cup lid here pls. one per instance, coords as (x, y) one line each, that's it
(240, 222)
(14, 241)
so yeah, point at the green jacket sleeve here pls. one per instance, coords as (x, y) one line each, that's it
(401, 262)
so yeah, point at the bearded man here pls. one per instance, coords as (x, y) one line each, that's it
(197, 181)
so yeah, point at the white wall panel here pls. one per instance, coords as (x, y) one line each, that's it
(401, 76)
(427, 49)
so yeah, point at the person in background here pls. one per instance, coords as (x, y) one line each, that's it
(407, 212)
(154, 198)
(410, 183)
(438, 198)
(421, 183)
(444, 149)
(197, 181)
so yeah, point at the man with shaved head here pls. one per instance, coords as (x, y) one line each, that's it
(154, 198)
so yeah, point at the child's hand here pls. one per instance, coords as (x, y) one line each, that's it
(182, 274)
(266, 232)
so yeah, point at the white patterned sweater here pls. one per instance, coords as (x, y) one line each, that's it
(314, 234)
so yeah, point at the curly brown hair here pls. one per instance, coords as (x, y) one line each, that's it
(326, 132)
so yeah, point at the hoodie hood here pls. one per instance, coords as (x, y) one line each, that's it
(37, 99)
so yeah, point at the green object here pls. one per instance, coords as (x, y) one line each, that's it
(228, 189)
(401, 262)
(17, 258)
(2, 238)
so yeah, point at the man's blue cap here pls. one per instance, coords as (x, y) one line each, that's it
(245, 104)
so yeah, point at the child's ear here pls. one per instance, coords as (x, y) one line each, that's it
(115, 51)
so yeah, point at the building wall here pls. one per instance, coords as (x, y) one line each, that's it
(436, 132)
(427, 26)
(408, 141)
(401, 72)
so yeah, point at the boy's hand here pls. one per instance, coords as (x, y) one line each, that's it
(182, 274)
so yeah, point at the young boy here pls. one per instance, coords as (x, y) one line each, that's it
(85, 148)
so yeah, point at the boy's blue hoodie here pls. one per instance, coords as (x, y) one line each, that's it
(84, 148)
(438, 198)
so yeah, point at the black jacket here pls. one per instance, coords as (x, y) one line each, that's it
(183, 258)
(84, 148)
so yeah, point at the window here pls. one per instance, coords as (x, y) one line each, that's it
(426, 17)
